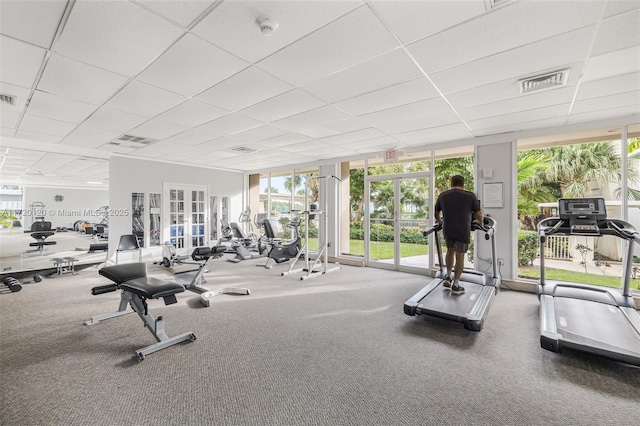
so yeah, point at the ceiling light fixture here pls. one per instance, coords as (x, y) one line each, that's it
(267, 25)
(94, 183)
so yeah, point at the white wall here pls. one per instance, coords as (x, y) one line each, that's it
(77, 204)
(498, 160)
(128, 175)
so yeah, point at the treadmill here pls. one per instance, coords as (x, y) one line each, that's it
(594, 319)
(469, 308)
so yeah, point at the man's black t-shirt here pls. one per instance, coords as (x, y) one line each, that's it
(457, 205)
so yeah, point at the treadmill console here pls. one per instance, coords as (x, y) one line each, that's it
(583, 214)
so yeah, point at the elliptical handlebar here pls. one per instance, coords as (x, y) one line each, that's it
(435, 228)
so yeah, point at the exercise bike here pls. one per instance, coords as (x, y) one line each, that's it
(281, 252)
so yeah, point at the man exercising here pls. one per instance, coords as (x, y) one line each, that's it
(458, 207)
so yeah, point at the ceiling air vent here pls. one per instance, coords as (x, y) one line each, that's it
(132, 141)
(7, 99)
(543, 82)
(243, 149)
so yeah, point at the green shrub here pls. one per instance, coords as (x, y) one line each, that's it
(384, 233)
(528, 246)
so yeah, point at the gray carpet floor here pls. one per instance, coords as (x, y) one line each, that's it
(335, 350)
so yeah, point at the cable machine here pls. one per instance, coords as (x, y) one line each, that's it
(320, 264)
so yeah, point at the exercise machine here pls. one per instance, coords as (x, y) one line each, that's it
(320, 264)
(469, 308)
(594, 319)
(280, 251)
(136, 289)
(170, 256)
(193, 280)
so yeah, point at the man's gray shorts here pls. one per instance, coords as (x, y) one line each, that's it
(457, 246)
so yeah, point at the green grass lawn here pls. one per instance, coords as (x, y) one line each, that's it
(380, 250)
(576, 277)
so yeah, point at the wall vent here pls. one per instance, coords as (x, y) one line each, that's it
(7, 99)
(243, 149)
(543, 82)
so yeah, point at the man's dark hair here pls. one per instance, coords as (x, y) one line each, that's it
(457, 180)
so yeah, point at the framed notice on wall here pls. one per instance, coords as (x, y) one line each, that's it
(492, 195)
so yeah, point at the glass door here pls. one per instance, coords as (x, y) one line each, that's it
(187, 216)
(397, 214)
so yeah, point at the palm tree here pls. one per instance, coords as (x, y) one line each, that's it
(575, 166)
(7, 218)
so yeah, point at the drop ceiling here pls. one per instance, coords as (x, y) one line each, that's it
(200, 84)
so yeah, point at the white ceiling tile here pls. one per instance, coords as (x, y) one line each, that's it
(259, 133)
(552, 53)
(221, 144)
(608, 86)
(40, 137)
(89, 137)
(620, 62)
(191, 113)
(32, 123)
(608, 102)
(418, 110)
(317, 132)
(157, 129)
(114, 120)
(144, 99)
(502, 30)
(74, 80)
(57, 108)
(246, 88)
(19, 62)
(347, 41)
(561, 95)
(116, 148)
(232, 25)
(191, 66)
(284, 140)
(618, 33)
(435, 134)
(117, 36)
(379, 72)
(617, 7)
(228, 125)
(517, 127)
(603, 113)
(182, 12)
(401, 94)
(281, 106)
(411, 20)
(375, 144)
(188, 137)
(9, 119)
(41, 25)
(313, 118)
(352, 137)
(515, 119)
(348, 125)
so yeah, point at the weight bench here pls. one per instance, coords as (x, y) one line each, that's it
(137, 288)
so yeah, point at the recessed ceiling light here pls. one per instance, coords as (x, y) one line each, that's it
(94, 183)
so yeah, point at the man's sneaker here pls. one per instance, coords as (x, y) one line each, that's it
(446, 282)
(456, 290)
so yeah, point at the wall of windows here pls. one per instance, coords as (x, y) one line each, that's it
(603, 163)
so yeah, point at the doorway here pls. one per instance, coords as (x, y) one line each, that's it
(186, 216)
(398, 211)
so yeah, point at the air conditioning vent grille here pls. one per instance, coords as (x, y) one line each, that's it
(7, 99)
(243, 149)
(132, 141)
(543, 82)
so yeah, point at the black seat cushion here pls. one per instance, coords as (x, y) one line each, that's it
(151, 288)
(121, 273)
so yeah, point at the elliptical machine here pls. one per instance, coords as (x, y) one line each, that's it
(281, 252)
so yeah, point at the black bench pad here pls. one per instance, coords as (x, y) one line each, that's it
(43, 243)
(121, 273)
(151, 288)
